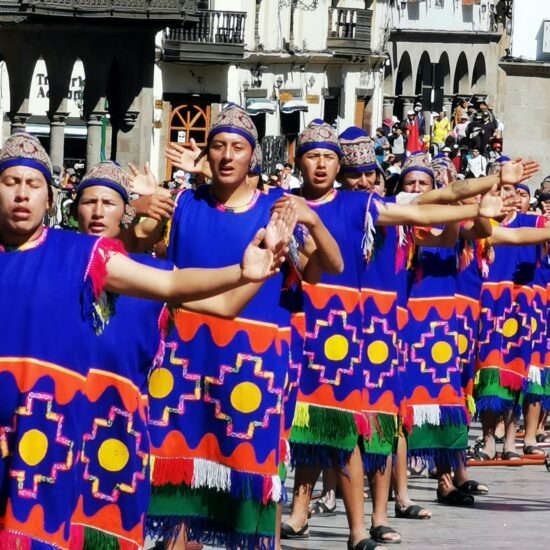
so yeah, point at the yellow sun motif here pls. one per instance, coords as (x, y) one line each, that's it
(442, 352)
(510, 328)
(33, 447)
(161, 383)
(113, 455)
(462, 344)
(336, 347)
(246, 397)
(378, 352)
(534, 324)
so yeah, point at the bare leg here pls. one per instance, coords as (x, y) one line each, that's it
(179, 543)
(489, 422)
(531, 415)
(305, 480)
(510, 423)
(328, 497)
(400, 479)
(350, 481)
(380, 487)
(278, 527)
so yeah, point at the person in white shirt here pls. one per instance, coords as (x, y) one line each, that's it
(477, 165)
(289, 181)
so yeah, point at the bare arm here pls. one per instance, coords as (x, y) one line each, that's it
(441, 239)
(480, 228)
(520, 235)
(424, 214)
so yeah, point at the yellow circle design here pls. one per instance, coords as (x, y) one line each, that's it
(336, 348)
(113, 455)
(462, 344)
(441, 352)
(33, 447)
(246, 397)
(161, 383)
(510, 328)
(377, 352)
(534, 324)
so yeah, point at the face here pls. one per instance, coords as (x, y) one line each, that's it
(417, 182)
(319, 168)
(442, 114)
(23, 204)
(379, 186)
(545, 207)
(475, 153)
(100, 211)
(360, 181)
(229, 156)
(524, 200)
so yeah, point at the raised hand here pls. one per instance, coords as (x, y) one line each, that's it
(280, 227)
(188, 158)
(142, 183)
(493, 206)
(157, 207)
(305, 215)
(258, 263)
(518, 170)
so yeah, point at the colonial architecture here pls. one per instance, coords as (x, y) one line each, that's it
(286, 61)
(81, 71)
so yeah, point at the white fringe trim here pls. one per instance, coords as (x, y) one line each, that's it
(276, 489)
(426, 414)
(535, 375)
(406, 198)
(212, 475)
(370, 232)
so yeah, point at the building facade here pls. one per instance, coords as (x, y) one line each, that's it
(286, 61)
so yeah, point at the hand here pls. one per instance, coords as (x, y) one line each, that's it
(188, 158)
(156, 207)
(493, 206)
(305, 214)
(142, 183)
(280, 228)
(258, 263)
(518, 170)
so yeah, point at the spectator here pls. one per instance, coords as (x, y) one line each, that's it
(489, 129)
(398, 143)
(380, 140)
(288, 180)
(421, 118)
(461, 111)
(379, 152)
(477, 165)
(459, 131)
(474, 132)
(412, 132)
(442, 128)
(485, 111)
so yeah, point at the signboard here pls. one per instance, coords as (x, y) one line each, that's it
(182, 136)
(158, 104)
(285, 96)
(312, 99)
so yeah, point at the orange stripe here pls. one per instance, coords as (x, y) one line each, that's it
(384, 301)
(321, 294)
(98, 381)
(323, 396)
(447, 396)
(420, 307)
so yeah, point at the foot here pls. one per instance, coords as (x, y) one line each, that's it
(533, 450)
(384, 534)
(407, 509)
(471, 487)
(289, 531)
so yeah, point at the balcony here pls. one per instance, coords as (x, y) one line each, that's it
(216, 37)
(152, 10)
(349, 32)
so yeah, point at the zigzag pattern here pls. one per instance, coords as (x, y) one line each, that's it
(394, 363)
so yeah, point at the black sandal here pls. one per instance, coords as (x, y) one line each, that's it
(319, 508)
(455, 498)
(378, 534)
(542, 438)
(510, 455)
(411, 512)
(533, 450)
(287, 532)
(480, 456)
(364, 544)
(472, 487)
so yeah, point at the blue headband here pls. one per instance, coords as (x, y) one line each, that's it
(360, 169)
(232, 130)
(417, 169)
(304, 148)
(104, 183)
(29, 163)
(524, 187)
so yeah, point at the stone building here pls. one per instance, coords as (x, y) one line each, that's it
(440, 51)
(81, 72)
(524, 81)
(286, 61)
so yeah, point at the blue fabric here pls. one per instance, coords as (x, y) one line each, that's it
(29, 163)
(103, 183)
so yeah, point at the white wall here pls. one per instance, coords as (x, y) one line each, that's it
(527, 20)
(450, 16)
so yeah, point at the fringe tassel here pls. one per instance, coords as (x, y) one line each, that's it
(487, 377)
(497, 405)
(173, 471)
(535, 375)
(95, 539)
(373, 462)
(440, 458)
(364, 428)
(367, 244)
(426, 414)
(318, 455)
(511, 380)
(545, 404)
(212, 475)
(164, 327)
(471, 405)
(301, 415)
(532, 398)
(98, 306)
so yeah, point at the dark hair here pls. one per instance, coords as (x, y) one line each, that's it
(380, 129)
(288, 165)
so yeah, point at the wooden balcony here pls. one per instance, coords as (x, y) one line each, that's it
(152, 10)
(349, 32)
(216, 37)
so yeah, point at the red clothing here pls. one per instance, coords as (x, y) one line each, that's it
(413, 137)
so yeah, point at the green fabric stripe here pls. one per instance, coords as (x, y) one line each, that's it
(282, 472)
(328, 427)
(384, 435)
(488, 385)
(438, 437)
(241, 516)
(98, 540)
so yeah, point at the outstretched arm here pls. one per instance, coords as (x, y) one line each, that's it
(424, 214)
(520, 236)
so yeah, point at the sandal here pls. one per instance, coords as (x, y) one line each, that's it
(411, 512)
(320, 508)
(378, 534)
(364, 544)
(413, 472)
(287, 532)
(455, 498)
(480, 456)
(543, 438)
(472, 487)
(533, 450)
(510, 455)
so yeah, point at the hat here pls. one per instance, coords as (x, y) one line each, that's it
(279, 166)
(411, 112)
(496, 166)
(22, 149)
(477, 116)
(109, 174)
(318, 135)
(434, 114)
(524, 187)
(446, 149)
(440, 165)
(417, 162)
(234, 120)
(256, 161)
(357, 151)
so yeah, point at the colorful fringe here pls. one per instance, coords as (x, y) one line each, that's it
(492, 395)
(322, 437)
(99, 540)
(534, 392)
(381, 444)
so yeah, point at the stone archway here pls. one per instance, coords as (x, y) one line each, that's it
(479, 75)
(461, 81)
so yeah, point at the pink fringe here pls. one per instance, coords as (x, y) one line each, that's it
(97, 266)
(77, 537)
(511, 380)
(164, 326)
(364, 427)
(13, 541)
